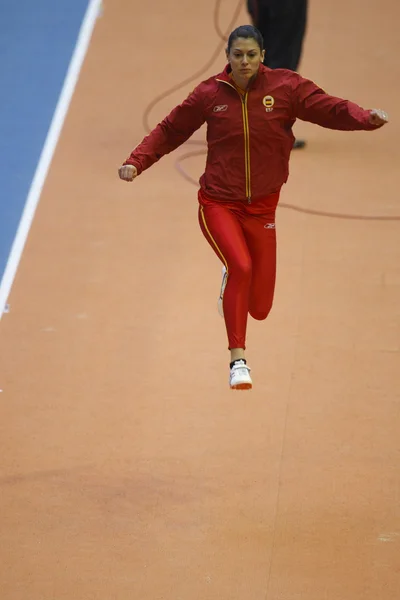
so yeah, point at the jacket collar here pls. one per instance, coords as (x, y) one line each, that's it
(225, 75)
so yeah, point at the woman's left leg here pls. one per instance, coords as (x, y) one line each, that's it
(260, 234)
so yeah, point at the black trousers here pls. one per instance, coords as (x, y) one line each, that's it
(282, 23)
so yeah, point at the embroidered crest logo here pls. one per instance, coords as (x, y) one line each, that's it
(268, 102)
(220, 108)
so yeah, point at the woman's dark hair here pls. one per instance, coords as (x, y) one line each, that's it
(246, 31)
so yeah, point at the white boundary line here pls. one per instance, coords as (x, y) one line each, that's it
(32, 200)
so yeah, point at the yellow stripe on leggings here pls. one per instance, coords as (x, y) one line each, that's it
(212, 239)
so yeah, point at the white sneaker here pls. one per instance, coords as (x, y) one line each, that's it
(221, 294)
(239, 377)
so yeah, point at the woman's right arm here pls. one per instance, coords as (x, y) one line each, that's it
(173, 131)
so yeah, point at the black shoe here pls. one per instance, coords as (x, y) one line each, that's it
(299, 144)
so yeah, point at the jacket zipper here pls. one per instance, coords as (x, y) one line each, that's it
(246, 146)
(245, 117)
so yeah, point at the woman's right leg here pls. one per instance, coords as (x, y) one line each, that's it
(223, 231)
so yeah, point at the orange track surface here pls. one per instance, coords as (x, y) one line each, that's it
(129, 470)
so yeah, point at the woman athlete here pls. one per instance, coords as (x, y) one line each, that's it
(250, 111)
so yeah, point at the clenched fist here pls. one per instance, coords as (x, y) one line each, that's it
(378, 117)
(127, 172)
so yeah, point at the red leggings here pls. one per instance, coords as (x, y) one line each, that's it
(245, 242)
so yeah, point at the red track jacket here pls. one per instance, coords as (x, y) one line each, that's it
(249, 137)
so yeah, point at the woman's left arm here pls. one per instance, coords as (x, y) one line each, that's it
(311, 103)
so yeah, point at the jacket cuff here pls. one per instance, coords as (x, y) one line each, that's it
(134, 163)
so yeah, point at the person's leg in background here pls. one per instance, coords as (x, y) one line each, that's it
(282, 24)
(222, 229)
